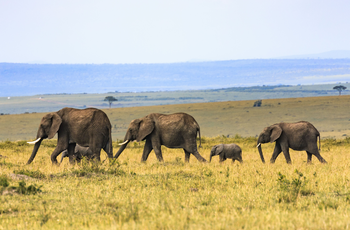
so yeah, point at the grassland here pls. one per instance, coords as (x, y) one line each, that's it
(174, 195)
(128, 194)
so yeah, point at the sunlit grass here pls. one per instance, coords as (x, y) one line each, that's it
(174, 195)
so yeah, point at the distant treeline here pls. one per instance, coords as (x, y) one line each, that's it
(146, 98)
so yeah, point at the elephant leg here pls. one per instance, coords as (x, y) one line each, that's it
(187, 156)
(221, 158)
(309, 157)
(89, 156)
(158, 152)
(233, 161)
(276, 152)
(146, 150)
(59, 148)
(319, 157)
(71, 154)
(109, 153)
(96, 152)
(285, 151)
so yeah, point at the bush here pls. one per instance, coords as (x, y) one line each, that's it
(90, 168)
(21, 189)
(34, 174)
(31, 189)
(4, 181)
(257, 103)
(290, 190)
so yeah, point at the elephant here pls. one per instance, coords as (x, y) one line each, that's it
(300, 136)
(79, 153)
(178, 130)
(86, 127)
(231, 151)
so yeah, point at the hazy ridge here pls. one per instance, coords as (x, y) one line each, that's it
(33, 79)
(54, 102)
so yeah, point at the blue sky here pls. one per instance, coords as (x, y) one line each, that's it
(161, 31)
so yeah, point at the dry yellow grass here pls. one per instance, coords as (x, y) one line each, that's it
(175, 195)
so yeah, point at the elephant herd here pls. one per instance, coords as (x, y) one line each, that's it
(84, 132)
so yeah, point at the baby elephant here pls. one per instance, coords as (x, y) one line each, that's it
(79, 153)
(225, 151)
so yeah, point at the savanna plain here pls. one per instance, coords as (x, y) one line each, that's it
(128, 194)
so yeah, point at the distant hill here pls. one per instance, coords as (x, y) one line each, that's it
(325, 55)
(33, 79)
(54, 102)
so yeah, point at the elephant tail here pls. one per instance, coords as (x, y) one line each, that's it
(319, 141)
(109, 147)
(200, 140)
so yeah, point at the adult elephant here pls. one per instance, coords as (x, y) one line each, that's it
(178, 130)
(301, 136)
(86, 127)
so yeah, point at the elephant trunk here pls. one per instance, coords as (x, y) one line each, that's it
(261, 153)
(64, 154)
(121, 149)
(212, 153)
(240, 159)
(35, 150)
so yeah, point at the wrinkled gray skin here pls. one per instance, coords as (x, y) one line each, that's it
(301, 136)
(231, 151)
(79, 153)
(178, 130)
(86, 127)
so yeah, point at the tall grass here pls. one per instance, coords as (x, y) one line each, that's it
(128, 194)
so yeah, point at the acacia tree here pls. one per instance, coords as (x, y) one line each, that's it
(339, 88)
(110, 100)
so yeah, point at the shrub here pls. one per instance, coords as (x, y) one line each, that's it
(4, 181)
(34, 174)
(90, 168)
(257, 103)
(31, 189)
(290, 190)
(21, 189)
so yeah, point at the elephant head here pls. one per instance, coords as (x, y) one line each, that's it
(138, 130)
(269, 134)
(49, 126)
(216, 150)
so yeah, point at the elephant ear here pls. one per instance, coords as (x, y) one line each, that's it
(55, 125)
(145, 128)
(219, 149)
(276, 132)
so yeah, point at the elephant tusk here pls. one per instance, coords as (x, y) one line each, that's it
(124, 142)
(258, 145)
(33, 142)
